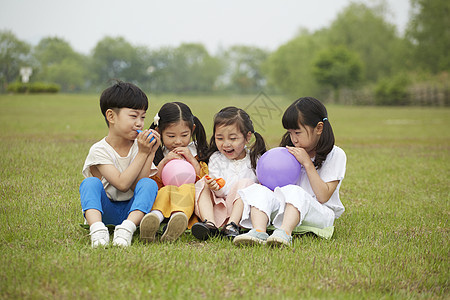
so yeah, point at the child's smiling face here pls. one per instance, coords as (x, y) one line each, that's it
(176, 135)
(230, 141)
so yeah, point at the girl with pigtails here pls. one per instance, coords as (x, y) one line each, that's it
(182, 137)
(231, 167)
(312, 202)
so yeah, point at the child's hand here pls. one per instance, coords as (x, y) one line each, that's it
(300, 154)
(144, 138)
(212, 183)
(172, 155)
(185, 152)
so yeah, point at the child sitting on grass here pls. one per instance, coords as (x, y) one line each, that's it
(117, 189)
(314, 200)
(229, 159)
(182, 137)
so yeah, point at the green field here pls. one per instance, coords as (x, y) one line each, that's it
(392, 242)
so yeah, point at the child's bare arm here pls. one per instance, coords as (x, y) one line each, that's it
(146, 169)
(322, 190)
(123, 181)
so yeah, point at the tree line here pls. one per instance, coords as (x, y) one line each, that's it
(359, 52)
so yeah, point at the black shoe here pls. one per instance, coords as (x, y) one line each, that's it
(203, 230)
(231, 230)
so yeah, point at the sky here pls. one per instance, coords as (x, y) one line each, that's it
(214, 23)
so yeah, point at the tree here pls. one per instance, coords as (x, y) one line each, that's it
(337, 67)
(59, 63)
(429, 32)
(244, 68)
(196, 69)
(290, 67)
(187, 68)
(14, 54)
(364, 30)
(115, 58)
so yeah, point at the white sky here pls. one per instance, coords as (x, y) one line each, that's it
(214, 23)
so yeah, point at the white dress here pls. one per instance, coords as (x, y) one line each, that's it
(237, 174)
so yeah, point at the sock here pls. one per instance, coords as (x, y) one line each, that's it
(258, 230)
(159, 214)
(96, 226)
(129, 225)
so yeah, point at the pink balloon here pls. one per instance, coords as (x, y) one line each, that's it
(278, 167)
(178, 172)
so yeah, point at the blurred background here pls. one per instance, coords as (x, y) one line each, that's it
(347, 52)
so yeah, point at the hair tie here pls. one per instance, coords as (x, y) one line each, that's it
(156, 120)
(324, 119)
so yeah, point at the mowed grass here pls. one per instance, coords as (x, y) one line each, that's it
(392, 241)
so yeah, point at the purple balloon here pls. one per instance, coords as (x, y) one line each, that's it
(278, 167)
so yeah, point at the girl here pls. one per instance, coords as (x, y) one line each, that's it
(182, 137)
(314, 200)
(229, 159)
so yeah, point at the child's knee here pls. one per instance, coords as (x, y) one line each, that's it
(91, 182)
(147, 183)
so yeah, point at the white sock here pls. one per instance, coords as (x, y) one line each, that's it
(129, 225)
(96, 226)
(159, 214)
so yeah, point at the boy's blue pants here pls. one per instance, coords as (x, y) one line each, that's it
(93, 196)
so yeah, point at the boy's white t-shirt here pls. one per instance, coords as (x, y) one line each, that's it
(333, 168)
(101, 153)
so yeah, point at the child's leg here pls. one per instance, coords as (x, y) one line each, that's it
(297, 207)
(259, 204)
(92, 216)
(259, 219)
(141, 203)
(258, 234)
(143, 199)
(291, 218)
(92, 195)
(205, 206)
(236, 212)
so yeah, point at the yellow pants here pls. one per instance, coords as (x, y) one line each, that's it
(171, 198)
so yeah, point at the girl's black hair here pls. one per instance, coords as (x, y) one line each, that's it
(233, 115)
(122, 95)
(309, 111)
(174, 112)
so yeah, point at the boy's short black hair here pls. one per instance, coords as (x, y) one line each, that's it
(123, 95)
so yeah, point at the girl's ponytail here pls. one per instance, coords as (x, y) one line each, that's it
(159, 155)
(325, 144)
(258, 148)
(200, 139)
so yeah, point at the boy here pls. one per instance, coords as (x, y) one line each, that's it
(117, 189)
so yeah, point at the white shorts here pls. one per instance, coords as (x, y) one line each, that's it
(273, 203)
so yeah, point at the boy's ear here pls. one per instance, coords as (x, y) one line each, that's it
(110, 116)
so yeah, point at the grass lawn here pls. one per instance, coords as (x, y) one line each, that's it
(391, 242)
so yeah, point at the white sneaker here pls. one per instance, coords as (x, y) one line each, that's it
(122, 236)
(99, 237)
